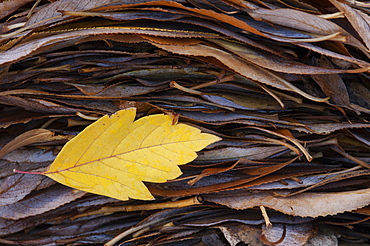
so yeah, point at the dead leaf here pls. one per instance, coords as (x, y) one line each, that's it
(277, 63)
(240, 66)
(326, 128)
(8, 7)
(359, 20)
(51, 13)
(114, 92)
(211, 171)
(310, 204)
(15, 187)
(332, 85)
(234, 153)
(42, 201)
(217, 182)
(65, 38)
(308, 23)
(30, 137)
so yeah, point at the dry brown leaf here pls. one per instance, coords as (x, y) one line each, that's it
(205, 13)
(336, 55)
(332, 85)
(234, 153)
(296, 19)
(29, 137)
(15, 187)
(40, 202)
(359, 20)
(218, 182)
(326, 128)
(51, 13)
(310, 204)
(305, 22)
(9, 6)
(62, 39)
(240, 66)
(114, 91)
(210, 171)
(277, 63)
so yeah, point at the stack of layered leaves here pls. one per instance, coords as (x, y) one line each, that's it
(274, 95)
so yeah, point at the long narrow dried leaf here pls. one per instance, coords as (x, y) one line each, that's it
(30, 137)
(70, 37)
(313, 204)
(277, 63)
(233, 153)
(304, 21)
(359, 20)
(14, 188)
(52, 12)
(9, 6)
(296, 19)
(240, 66)
(41, 202)
(199, 12)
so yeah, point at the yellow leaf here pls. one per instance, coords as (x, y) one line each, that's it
(112, 156)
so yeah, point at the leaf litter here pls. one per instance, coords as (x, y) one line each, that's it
(288, 96)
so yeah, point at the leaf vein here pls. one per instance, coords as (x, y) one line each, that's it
(138, 149)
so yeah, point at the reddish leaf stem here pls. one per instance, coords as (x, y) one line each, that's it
(24, 172)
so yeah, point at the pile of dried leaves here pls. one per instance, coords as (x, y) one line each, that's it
(284, 83)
